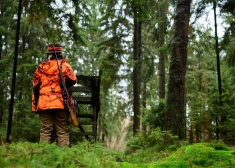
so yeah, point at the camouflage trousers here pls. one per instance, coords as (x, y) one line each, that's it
(54, 123)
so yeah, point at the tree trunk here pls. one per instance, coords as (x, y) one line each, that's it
(1, 71)
(162, 53)
(10, 116)
(144, 104)
(175, 113)
(223, 117)
(136, 71)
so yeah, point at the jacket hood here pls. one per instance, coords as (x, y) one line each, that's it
(50, 67)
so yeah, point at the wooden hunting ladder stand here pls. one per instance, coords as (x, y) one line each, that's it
(87, 93)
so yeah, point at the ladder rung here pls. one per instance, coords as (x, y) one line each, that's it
(83, 133)
(87, 123)
(80, 89)
(83, 100)
(85, 116)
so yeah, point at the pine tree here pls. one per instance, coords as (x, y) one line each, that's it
(175, 113)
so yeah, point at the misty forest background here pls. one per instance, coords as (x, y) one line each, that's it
(163, 64)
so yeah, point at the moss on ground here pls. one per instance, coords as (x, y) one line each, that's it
(87, 155)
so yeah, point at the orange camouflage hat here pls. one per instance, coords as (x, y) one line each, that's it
(52, 48)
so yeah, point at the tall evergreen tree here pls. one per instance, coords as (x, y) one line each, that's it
(136, 70)
(162, 26)
(7, 29)
(175, 113)
(200, 84)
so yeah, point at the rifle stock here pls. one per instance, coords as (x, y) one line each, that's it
(73, 118)
(72, 112)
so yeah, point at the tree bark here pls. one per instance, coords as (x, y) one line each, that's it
(10, 116)
(136, 71)
(162, 54)
(1, 70)
(175, 113)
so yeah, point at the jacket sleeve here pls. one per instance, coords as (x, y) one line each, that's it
(70, 77)
(35, 90)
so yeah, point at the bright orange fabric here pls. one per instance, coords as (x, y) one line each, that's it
(50, 93)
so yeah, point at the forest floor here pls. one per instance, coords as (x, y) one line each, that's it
(95, 155)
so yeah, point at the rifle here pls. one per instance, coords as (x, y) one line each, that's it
(68, 101)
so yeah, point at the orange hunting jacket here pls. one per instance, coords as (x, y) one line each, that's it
(47, 93)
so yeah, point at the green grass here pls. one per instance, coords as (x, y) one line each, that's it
(95, 155)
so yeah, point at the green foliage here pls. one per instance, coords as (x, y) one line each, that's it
(95, 155)
(160, 140)
(200, 155)
(163, 139)
(27, 154)
(26, 129)
(227, 109)
(154, 116)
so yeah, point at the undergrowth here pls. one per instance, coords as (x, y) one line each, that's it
(212, 155)
(43, 155)
(96, 155)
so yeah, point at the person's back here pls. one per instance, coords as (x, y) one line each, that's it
(47, 98)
